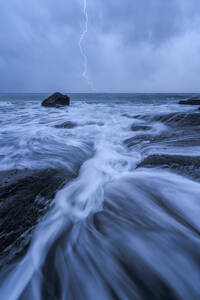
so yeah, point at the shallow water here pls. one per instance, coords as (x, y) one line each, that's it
(115, 231)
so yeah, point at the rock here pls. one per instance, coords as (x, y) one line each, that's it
(132, 141)
(139, 116)
(182, 164)
(192, 101)
(127, 116)
(147, 139)
(56, 100)
(25, 196)
(94, 123)
(176, 119)
(67, 124)
(184, 120)
(170, 160)
(140, 127)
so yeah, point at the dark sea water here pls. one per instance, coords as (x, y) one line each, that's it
(126, 223)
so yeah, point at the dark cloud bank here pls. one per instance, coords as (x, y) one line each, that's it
(132, 45)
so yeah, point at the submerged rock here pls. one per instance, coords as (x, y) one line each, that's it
(56, 100)
(67, 124)
(140, 127)
(94, 123)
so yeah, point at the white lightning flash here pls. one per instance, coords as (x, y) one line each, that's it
(85, 59)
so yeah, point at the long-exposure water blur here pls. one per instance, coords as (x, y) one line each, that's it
(100, 199)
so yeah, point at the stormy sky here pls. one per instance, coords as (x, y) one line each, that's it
(132, 45)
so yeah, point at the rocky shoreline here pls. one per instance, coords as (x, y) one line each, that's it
(26, 195)
(181, 131)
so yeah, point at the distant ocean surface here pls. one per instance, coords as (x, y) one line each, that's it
(124, 220)
(29, 138)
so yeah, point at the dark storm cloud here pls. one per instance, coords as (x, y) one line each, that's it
(132, 45)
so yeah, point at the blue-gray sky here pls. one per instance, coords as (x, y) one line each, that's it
(132, 45)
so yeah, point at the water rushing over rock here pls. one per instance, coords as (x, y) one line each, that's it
(120, 220)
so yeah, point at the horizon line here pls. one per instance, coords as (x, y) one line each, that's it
(30, 92)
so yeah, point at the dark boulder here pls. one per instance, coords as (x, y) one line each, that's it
(56, 100)
(67, 124)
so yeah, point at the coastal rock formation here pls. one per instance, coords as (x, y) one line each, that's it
(192, 101)
(173, 119)
(25, 197)
(182, 164)
(56, 100)
(181, 130)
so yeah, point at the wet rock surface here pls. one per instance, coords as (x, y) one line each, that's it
(179, 119)
(56, 100)
(25, 196)
(172, 119)
(140, 127)
(186, 165)
(192, 101)
(90, 123)
(67, 124)
(181, 131)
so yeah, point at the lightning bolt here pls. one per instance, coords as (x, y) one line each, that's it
(85, 59)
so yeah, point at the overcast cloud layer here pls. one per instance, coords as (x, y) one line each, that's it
(132, 45)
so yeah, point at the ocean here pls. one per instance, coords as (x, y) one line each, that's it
(99, 199)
